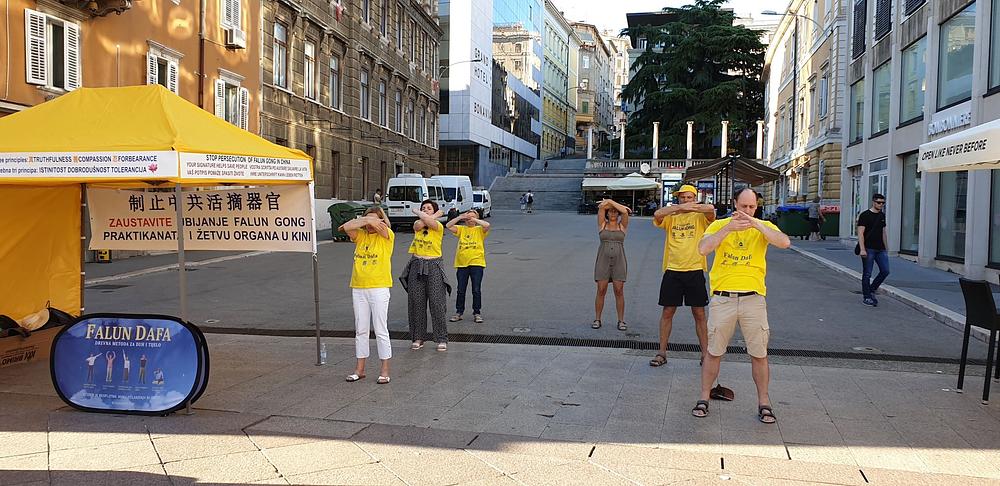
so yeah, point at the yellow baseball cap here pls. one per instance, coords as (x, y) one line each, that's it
(687, 188)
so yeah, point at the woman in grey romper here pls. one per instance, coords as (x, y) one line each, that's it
(611, 267)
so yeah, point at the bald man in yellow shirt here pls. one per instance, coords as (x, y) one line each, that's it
(737, 277)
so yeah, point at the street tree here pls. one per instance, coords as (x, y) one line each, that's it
(698, 66)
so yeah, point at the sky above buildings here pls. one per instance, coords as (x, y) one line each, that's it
(611, 14)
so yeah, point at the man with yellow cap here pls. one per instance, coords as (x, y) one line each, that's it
(683, 267)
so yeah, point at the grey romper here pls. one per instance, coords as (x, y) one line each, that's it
(611, 264)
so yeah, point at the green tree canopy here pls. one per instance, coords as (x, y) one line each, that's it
(698, 66)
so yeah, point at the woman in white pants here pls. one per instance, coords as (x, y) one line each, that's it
(371, 279)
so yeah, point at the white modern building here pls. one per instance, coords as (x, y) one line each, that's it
(491, 78)
(919, 71)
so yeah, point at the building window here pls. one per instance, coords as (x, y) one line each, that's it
(995, 218)
(910, 206)
(911, 104)
(857, 110)
(883, 18)
(585, 62)
(880, 99)
(232, 102)
(280, 55)
(383, 119)
(366, 100)
(958, 36)
(335, 84)
(309, 87)
(423, 126)
(399, 25)
(231, 14)
(823, 100)
(410, 121)
(399, 111)
(860, 14)
(995, 48)
(366, 11)
(434, 132)
(586, 107)
(52, 49)
(951, 214)
(384, 17)
(912, 6)
(162, 69)
(413, 41)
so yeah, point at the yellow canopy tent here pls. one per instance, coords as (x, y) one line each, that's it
(131, 137)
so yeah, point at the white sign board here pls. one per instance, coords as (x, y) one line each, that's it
(91, 165)
(243, 167)
(974, 148)
(265, 218)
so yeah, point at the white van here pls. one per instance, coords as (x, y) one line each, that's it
(482, 202)
(405, 192)
(457, 194)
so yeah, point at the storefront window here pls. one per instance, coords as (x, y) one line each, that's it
(913, 85)
(880, 99)
(857, 110)
(995, 219)
(910, 206)
(951, 214)
(958, 35)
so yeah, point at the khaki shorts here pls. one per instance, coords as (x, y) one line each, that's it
(751, 314)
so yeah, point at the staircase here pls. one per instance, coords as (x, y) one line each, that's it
(556, 189)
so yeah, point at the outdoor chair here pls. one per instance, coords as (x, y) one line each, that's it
(980, 311)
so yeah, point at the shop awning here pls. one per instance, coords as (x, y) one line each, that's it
(745, 170)
(593, 183)
(975, 148)
(137, 134)
(633, 182)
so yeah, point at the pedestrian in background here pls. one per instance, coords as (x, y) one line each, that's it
(815, 217)
(529, 200)
(377, 197)
(470, 261)
(524, 202)
(423, 278)
(683, 281)
(738, 275)
(371, 279)
(611, 266)
(872, 244)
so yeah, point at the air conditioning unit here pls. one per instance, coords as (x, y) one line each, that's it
(236, 38)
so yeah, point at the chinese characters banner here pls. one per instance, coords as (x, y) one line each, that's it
(275, 218)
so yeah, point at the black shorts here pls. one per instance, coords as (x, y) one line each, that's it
(683, 288)
(813, 224)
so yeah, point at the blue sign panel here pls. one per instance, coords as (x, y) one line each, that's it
(145, 364)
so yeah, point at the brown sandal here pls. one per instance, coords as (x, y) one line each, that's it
(658, 360)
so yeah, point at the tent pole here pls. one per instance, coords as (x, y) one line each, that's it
(83, 248)
(315, 265)
(181, 266)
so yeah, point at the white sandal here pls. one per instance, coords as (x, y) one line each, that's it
(382, 380)
(442, 346)
(416, 345)
(354, 377)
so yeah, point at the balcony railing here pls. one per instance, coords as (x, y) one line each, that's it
(99, 8)
(636, 165)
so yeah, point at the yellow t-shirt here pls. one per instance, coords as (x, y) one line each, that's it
(680, 248)
(740, 262)
(429, 244)
(372, 260)
(471, 246)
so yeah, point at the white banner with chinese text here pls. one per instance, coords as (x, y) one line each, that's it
(277, 218)
(243, 167)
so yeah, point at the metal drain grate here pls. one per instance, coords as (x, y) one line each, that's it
(107, 287)
(594, 343)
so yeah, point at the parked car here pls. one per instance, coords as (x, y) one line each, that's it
(482, 202)
(405, 192)
(457, 194)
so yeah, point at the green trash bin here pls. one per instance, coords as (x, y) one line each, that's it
(792, 221)
(341, 213)
(831, 224)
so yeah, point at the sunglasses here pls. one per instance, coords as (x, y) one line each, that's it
(879, 202)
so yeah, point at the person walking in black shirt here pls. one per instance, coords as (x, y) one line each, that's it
(872, 249)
